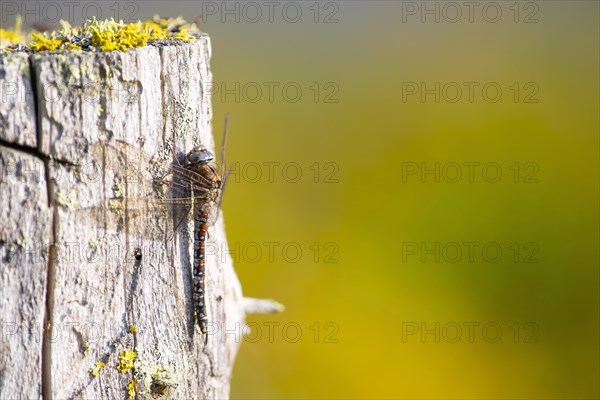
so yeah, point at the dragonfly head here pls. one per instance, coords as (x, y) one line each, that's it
(199, 155)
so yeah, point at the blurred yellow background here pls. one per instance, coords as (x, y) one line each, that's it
(399, 290)
(542, 135)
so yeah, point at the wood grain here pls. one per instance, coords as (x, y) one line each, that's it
(72, 278)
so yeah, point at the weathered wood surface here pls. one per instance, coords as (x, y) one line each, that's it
(70, 283)
(17, 108)
(24, 231)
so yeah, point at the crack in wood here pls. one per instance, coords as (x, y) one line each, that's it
(47, 392)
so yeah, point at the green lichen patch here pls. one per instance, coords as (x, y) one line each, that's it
(66, 199)
(154, 373)
(162, 381)
(94, 245)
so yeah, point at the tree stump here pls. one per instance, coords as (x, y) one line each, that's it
(77, 291)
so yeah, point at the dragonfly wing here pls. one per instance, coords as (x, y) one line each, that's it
(141, 192)
(143, 218)
(213, 213)
(139, 164)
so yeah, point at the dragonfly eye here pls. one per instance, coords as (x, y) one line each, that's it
(199, 155)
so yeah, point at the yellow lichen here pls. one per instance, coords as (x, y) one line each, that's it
(14, 36)
(183, 35)
(96, 371)
(9, 38)
(133, 329)
(112, 35)
(117, 206)
(41, 43)
(131, 389)
(126, 359)
(106, 35)
(118, 190)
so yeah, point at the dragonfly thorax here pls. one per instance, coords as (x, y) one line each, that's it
(199, 155)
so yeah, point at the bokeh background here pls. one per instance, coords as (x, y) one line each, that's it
(380, 304)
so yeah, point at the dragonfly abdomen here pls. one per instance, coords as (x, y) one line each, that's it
(206, 189)
(201, 219)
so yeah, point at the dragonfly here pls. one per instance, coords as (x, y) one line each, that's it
(195, 185)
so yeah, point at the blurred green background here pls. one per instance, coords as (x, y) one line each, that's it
(379, 240)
